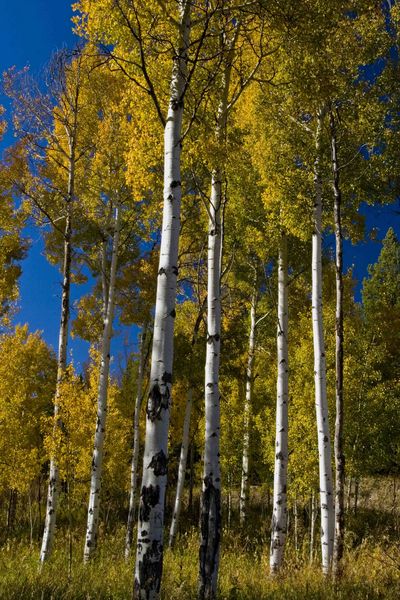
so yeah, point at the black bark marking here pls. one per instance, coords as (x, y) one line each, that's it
(175, 184)
(172, 313)
(212, 338)
(150, 571)
(162, 271)
(159, 463)
(210, 526)
(167, 377)
(157, 400)
(149, 498)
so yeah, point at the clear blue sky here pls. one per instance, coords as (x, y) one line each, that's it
(31, 30)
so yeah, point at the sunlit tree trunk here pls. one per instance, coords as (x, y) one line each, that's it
(210, 518)
(149, 558)
(53, 486)
(321, 401)
(279, 515)
(182, 470)
(98, 452)
(339, 422)
(210, 509)
(135, 450)
(244, 488)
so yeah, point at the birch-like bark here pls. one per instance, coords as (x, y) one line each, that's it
(210, 509)
(182, 470)
(53, 486)
(312, 527)
(135, 450)
(98, 452)
(210, 517)
(244, 488)
(149, 558)
(339, 335)
(279, 514)
(321, 401)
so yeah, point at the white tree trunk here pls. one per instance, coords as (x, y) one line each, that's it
(135, 450)
(210, 518)
(244, 488)
(98, 452)
(321, 402)
(182, 470)
(279, 515)
(149, 558)
(210, 511)
(53, 487)
(312, 526)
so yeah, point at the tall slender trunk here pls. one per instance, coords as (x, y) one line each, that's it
(339, 422)
(279, 514)
(210, 518)
(98, 452)
(191, 478)
(244, 489)
(296, 525)
(321, 401)
(135, 450)
(182, 470)
(53, 486)
(104, 282)
(185, 443)
(349, 492)
(149, 558)
(210, 509)
(312, 526)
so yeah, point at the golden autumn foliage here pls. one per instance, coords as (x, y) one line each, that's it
(27, 373)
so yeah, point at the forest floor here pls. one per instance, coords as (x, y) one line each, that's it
(371, 565)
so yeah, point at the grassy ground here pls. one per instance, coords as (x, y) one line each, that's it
(371, 565)
(372, 571)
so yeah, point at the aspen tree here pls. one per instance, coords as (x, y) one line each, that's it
(339, 451)
(182, 469)
(135, 449)
(55, 117)
(97, 460)
(131, 34)
(210, 519)
(244, 488)
(279, 518)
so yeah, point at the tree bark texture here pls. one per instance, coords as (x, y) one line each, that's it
(210, 509)
(339, 338)
(53, 485)
(244, 489)
(279, 514)
(98, 452)
(135, 449)
(149, 557)
(182, 470)
(312, 526)
(210, 518)
(321, 401)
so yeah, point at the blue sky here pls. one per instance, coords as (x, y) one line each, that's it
(31, 31)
